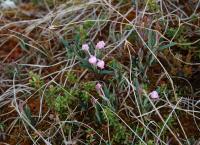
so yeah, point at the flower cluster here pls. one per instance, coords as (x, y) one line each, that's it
(93, 60)
(154, 95)
(100, 45)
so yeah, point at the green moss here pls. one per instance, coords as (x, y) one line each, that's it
(152, 5)
(120, 133)
(35, 80)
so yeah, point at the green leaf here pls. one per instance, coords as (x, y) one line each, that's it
(85, 64)
(64, 42)
(104, 72)
(98, 113)
(161, 48)
(28, 114)
(151, 39)
(106, 92)
(24, 45)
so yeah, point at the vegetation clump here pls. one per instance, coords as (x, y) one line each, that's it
(113, 72)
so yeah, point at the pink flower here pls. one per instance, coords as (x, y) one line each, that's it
(100, 45)
(101, 64)
(85, 47)
(98, 87)
(154, 95)
(92, 60)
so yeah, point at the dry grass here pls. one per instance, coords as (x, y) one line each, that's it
(149, 46)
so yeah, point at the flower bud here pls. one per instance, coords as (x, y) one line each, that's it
(98, 86)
